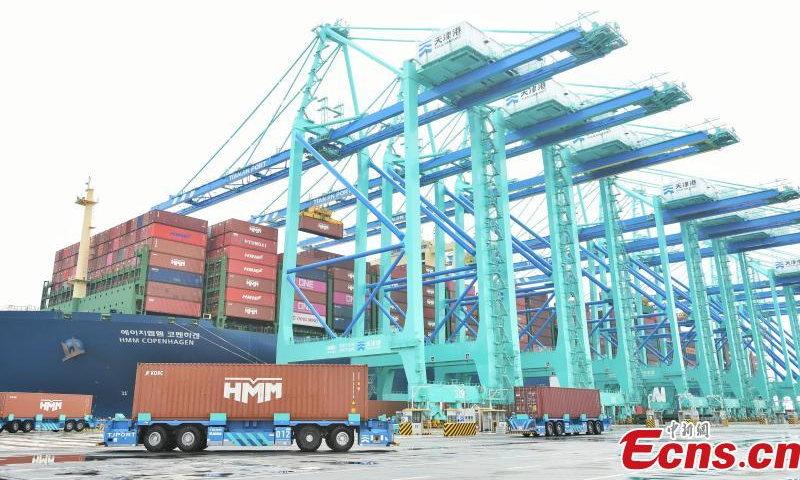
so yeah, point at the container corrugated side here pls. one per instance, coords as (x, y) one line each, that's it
(49, 405)
(556, 401)
(247, 228)
(250, 392)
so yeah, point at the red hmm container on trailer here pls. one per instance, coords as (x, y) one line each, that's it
(48, 405)
(246, 255)
(171, 306)
(249, 392)
(556, 401)
(247, 228)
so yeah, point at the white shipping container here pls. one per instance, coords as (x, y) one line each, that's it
(450, 40)
(786, 267)
(687, 188)
(539, 93)
(305, 319)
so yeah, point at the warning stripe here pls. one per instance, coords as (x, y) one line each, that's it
(404, 429)
(460, 429)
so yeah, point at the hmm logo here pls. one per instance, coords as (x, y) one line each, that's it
(252, 283)
(178, 262)
(324, 227)
(261, 389)
(255, 229)
(50, 405)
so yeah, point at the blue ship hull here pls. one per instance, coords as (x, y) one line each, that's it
(42, 351)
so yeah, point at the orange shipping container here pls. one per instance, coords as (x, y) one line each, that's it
(49, 405)
(250, 392)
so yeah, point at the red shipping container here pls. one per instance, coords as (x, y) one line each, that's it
(246, 255)
(250, 283)
(311, 285)
(246, 241)
(344, 286)
(249, 269)
(249, 297)
(175, 248)
(250, 392)
(169, 218)
(321, 227)
(171, 233)
(340, 273)
(177, 292)
(301, 307)
(171, 306)
(174, 262)
(247, 228)
(49, 405)
(556, 401)
(313, 297)
(252, 312)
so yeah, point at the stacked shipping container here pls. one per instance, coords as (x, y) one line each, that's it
(314, 285)
(175, 259)
(245, 287)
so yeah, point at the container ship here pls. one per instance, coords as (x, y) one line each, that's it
(160, 288)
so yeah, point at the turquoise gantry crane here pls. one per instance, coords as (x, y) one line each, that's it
(561, 252)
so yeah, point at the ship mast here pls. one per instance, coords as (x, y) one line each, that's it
(81, 276)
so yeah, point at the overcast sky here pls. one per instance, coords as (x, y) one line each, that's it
(138, 95)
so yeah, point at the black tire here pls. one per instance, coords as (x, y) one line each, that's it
(340, 439)
(69, 425)
(309, 438)
(590, 427)
(28, 426)
(559, 428)
(13, 426)
(549, 429)
(80, 425)
(155, 439)
(598, 427)
(189, 438)
(171, 445)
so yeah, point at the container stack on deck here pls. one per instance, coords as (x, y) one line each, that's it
(313, 283)
(241, 281)
(173, 247)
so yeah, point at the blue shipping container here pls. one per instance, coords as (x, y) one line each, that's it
(175, 277)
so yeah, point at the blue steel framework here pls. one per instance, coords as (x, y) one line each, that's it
(689, 348)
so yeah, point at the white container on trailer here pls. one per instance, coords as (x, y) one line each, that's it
(688, 190)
